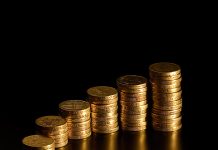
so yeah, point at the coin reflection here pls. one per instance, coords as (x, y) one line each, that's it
(82, 144)
(167, 140)
(134, 140)
(105, 141)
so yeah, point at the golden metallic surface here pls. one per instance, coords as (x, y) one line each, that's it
(102, 92)
(127, 120)
(157, 77)
(133, 117)
(166, 82)
(104, 110)
(167, 129)
(71, 136)
(39, 141)
(109, 121)
(136, 128)
(165, 117)
(50, 131)
(166, 112)
(51, 122)
(166, 90)
(105, 127)
(167, 121)
(79, 125)
(168, 107)
(131, 90)
(164, 69)
(133, 112)
(82, 132)
(110, 130)
(167, 96)
(169, 103)
(58, 145)
(103, 119)
(135, 103)
(167, 86)
(75, 107)
(132, 81)
(104, 115)
(134, 124)
(108, 106)
(70, 119)
(133, 108)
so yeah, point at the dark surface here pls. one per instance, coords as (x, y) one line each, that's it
(38, 84)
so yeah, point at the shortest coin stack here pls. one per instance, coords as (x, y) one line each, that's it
(166, 79)
(133, 93)
(38, 142)
(104, 108)
(54, 127)
(77, 114)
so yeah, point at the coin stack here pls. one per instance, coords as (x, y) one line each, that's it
(77, 114)
(54, 127)
(133, 101)
(38, 142)
(165, 81)
(104, 108)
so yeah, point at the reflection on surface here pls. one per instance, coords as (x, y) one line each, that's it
(167, 140)
(105, 141)
(134, 140)
(83, 144)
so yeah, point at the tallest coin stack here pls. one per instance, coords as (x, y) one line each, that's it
(165, 81)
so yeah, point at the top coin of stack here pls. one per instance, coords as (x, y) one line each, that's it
(165, 80)
(133, 93)
(104, 108)
(77, 114)
(54, 127)
(38, 142)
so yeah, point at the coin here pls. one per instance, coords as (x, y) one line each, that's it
(164, 69)
(132, 81)
(102, 92)
(110, 130)
(39, 141)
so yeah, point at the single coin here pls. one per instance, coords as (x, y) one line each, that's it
(51, 122)
(164, 69)
(102, 92)
(132, 81)
(75, 106)
(39, 141)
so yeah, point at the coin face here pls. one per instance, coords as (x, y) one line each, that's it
(131, 80)
(37, 141)
(165, 68)
(50, 121)
(101, 91)
(74, 105)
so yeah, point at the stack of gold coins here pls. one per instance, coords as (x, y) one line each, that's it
(77, 114)
(104, 108)
(165, 80)
(54, 127)
(133, 101)
(38, 142)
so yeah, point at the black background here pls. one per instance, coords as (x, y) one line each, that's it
(51, 58)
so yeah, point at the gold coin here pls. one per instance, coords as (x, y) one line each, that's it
(78, 125)
(174, 128)
(71, 136)
(168, 107)
(132, 81)
(82, 132)
(105, 127)
(166, 112)
(75, 120)
(104, 122)
(136, 128)
(156, 77)
(134, 124)
(104, 115)
(52, 132)
(75, 107)
(133, 117)
(166, 82)
(167, 96)
(58, 145)
(102, 92)
(104, 110)
(110, 130)
(167, 121)
(133, 108)
(164, 69)
(133, 112)
(55, 122)
(165, 117)
(100, 119)
(166, 90)
(126, 120)
(38, 141)
(109, 106)
(131, 90)
(167, 86)
(137, 103)
(169, 103)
